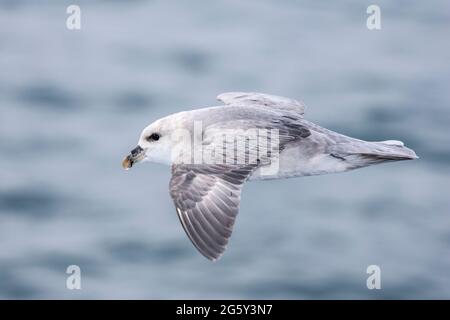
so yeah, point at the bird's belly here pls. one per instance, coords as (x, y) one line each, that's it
(296, 162)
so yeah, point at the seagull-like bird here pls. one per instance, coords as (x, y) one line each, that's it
(271, 140)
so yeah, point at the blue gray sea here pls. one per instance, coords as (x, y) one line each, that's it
(73, 103)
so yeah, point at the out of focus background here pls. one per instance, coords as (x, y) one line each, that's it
(73, 103)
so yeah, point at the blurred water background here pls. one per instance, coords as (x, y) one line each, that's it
(73, 103)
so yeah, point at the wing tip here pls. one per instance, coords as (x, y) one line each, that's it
(271, 100)
(211, 257)
(223, 97)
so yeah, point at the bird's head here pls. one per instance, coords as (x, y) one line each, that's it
(160, 142)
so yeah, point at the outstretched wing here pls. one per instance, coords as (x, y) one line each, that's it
(261, 99)
(207, 196)
(207, 200)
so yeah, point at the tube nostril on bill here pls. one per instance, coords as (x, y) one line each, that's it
(136, 151)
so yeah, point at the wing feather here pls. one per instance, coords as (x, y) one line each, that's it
(207, 196)
(262, 99)
(207, 203)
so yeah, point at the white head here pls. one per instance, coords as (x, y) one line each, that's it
(160, 141)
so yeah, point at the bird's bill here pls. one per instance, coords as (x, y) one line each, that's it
(136, 155)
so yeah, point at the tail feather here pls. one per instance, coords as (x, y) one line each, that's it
(396, 149)
(361, 153)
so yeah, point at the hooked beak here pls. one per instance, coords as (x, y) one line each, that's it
(136, 155)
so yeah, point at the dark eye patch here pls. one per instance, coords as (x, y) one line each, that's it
(153, 137)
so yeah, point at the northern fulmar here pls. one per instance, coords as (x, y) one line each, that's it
(253, 136)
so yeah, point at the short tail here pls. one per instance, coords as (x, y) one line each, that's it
(362, 153)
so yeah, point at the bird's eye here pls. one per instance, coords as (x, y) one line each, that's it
(153, 137)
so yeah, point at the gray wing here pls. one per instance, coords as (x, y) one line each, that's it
(262, 99)
(207, 199)
(278, 129)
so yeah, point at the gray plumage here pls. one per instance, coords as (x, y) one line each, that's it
(207, 196)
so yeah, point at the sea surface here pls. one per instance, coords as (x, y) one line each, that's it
(73, 103)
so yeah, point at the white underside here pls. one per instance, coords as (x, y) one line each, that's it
(294, 163)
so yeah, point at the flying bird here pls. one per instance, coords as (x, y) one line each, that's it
(272, 140)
